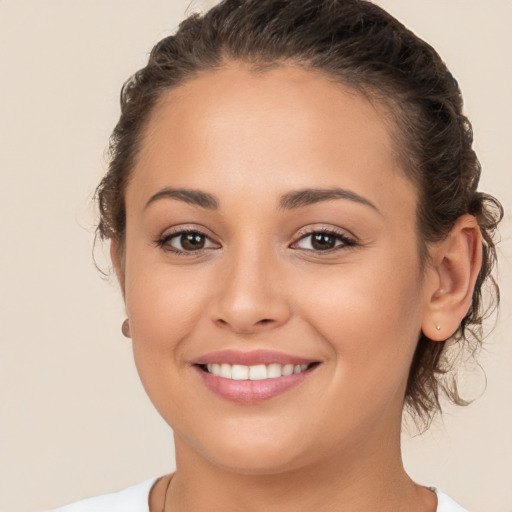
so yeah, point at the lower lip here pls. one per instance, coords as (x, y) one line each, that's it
(250, 391)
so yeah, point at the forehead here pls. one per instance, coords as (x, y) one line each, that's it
(280, 129)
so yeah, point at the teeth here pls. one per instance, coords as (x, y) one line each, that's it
(287, 369)
(225, 371)
(273, 371)
(239, 372)
(257, 372)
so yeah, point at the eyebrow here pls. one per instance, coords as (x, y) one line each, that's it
(288, 201)
(310, 196)
(190, 196)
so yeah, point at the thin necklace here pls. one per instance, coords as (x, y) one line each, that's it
(165, 495)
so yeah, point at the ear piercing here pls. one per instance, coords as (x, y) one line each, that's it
(125, 328)
(440, 292)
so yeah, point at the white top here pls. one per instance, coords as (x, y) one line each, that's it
(135, 499)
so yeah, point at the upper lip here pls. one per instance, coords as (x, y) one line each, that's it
(250, 358)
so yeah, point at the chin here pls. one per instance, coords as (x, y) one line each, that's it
(255, 455)
(256, 463)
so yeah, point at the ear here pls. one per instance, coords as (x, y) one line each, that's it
(117, 257)
(453, 270)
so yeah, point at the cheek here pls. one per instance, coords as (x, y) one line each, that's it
(163, 306)
(370, 317)
(161, 302)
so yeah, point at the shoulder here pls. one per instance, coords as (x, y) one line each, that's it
(131, 499)
(445, 503)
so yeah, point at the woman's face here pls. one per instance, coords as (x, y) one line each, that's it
(269, 225)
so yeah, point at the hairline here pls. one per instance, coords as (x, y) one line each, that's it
(384, 101)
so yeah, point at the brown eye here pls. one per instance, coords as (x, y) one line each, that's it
(186, 242)
(323, 241)
(192, 241)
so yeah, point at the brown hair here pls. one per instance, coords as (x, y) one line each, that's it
(360, 45)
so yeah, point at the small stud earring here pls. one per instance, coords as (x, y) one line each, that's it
(125, 328)
(438, 327)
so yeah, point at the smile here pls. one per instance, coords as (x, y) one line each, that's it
(252, 377)
(256, 372)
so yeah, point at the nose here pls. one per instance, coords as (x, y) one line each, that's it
(250, 296)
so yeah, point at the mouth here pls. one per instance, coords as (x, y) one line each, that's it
(255, 372)
(252, 377)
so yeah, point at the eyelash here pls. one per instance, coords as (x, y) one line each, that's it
(347, 242)
(165, 239)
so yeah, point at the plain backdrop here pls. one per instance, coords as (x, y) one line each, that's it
(74, 420)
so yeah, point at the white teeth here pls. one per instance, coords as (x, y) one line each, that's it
(287, 369)
(256, 372)
(225, 371)
(239, 372)
(273, 371)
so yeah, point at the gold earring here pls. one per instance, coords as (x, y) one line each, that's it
(125, 328)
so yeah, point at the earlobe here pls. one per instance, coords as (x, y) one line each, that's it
(118, 263)
(454, 269)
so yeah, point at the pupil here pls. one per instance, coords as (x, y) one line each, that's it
(322, 241)
(192, 241)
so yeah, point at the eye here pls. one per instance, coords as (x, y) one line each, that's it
(323, 240)
(185, 241)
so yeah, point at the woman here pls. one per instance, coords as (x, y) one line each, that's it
(294, 221)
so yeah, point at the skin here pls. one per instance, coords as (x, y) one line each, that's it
(333, 442)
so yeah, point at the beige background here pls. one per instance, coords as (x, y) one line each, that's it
(74, 420)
